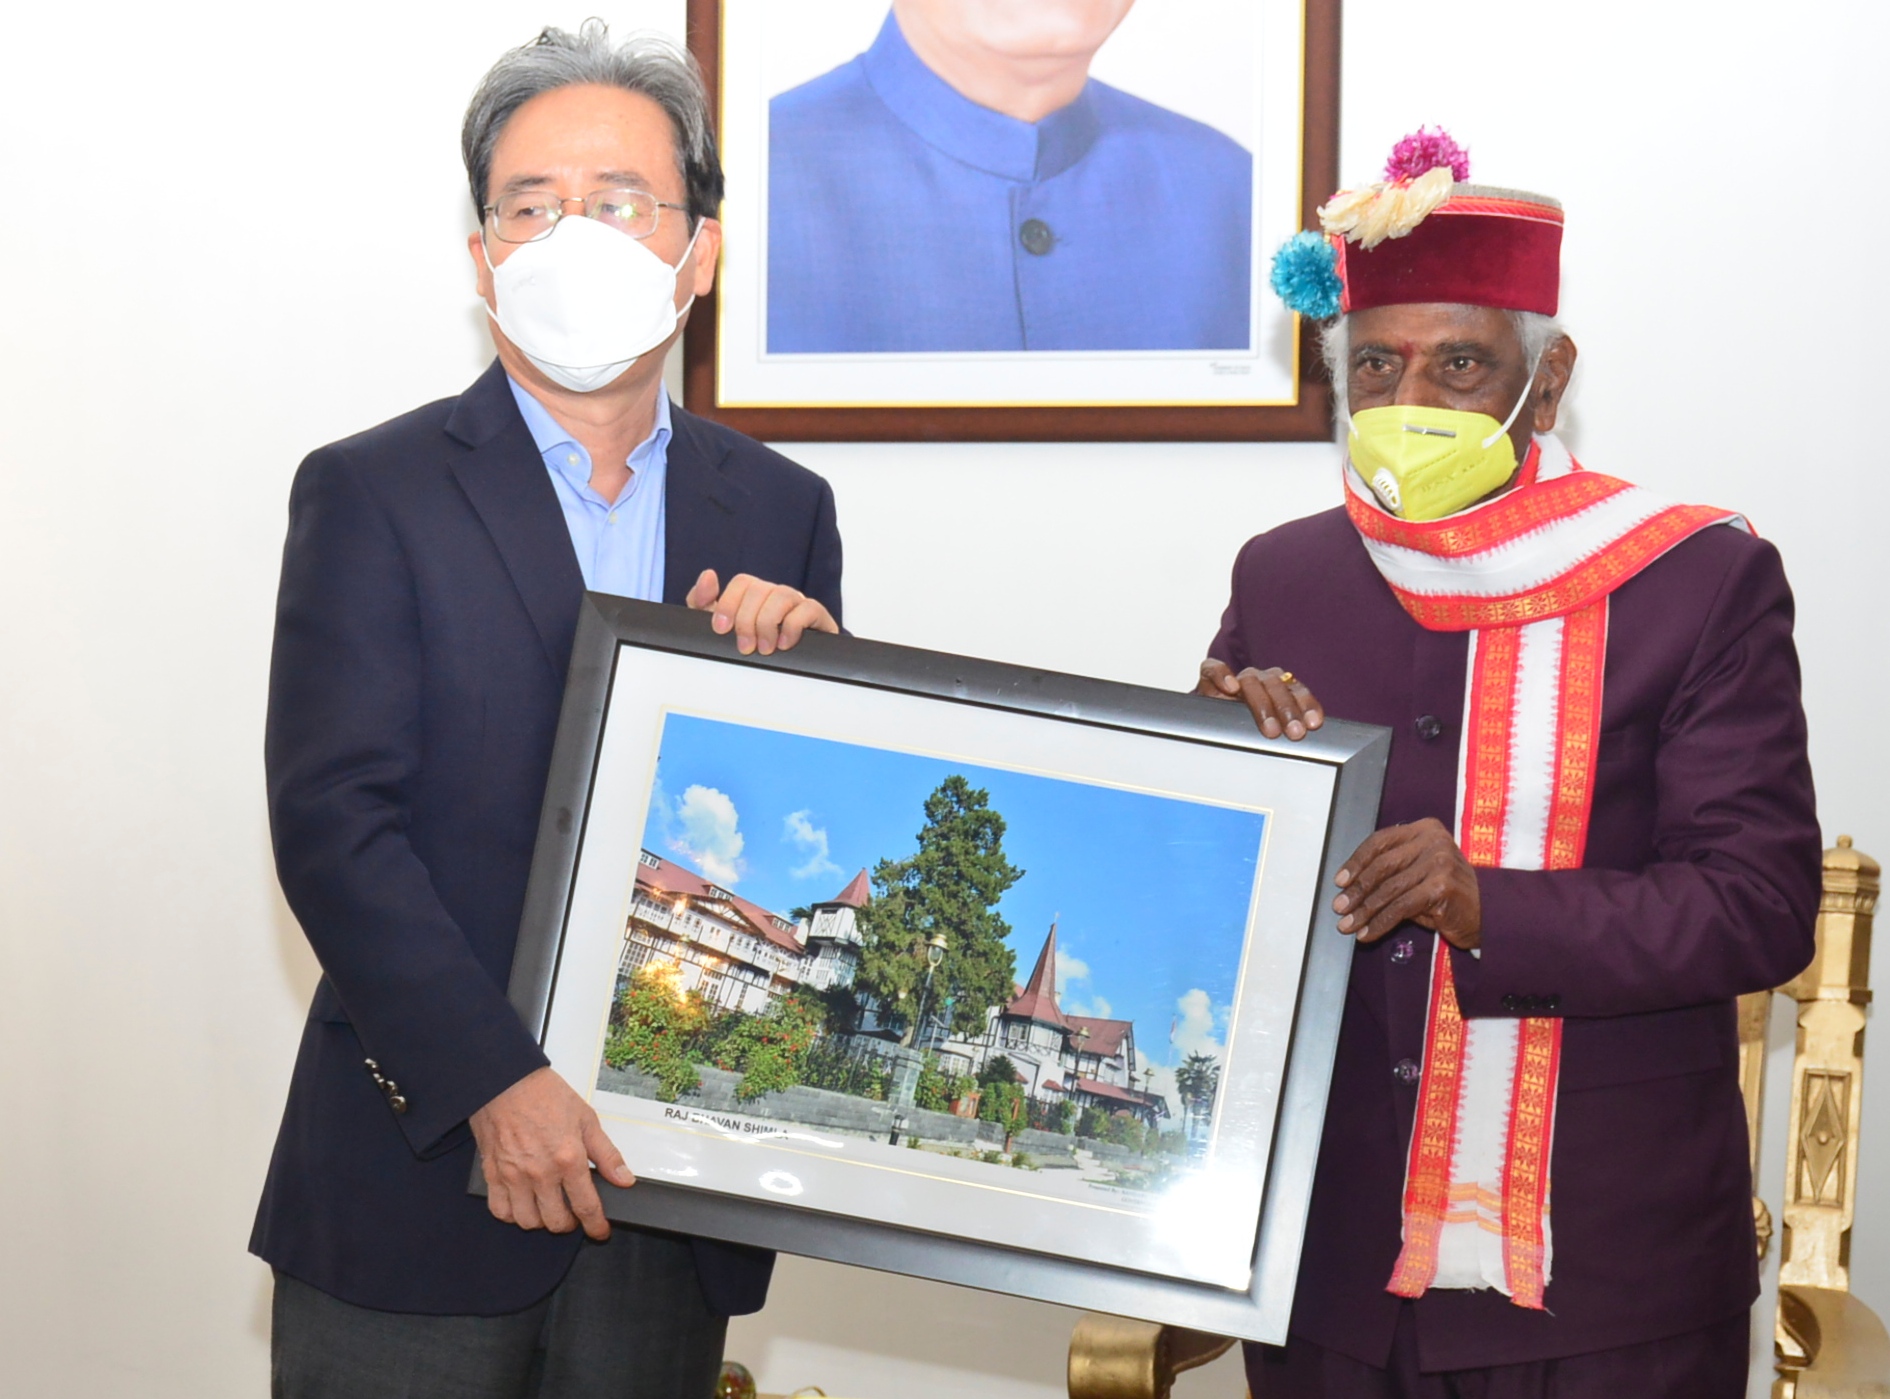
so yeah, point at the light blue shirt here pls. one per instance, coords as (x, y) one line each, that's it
(619, 544)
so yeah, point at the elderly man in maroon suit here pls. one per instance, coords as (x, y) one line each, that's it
(1597, 831)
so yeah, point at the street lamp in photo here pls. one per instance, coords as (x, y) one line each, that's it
(935, 947)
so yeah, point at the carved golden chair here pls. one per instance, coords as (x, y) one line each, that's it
(1829, 1344)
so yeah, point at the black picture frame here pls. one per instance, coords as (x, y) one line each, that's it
(613, 632)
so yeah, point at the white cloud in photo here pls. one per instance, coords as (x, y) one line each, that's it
(659, 824)
(1073, 971)
(706, 833)
(811, 841)
(1198, 1024)
(1200, 1028)
(1070, 969)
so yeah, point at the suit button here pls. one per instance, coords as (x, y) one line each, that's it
(1512, 1003)
(1403, 950)
(372, 1067)
(1036, 237)
(397, 1102)
(1428, 726)
(1406, 1071)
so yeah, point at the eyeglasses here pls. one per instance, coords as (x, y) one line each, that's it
(525, 216)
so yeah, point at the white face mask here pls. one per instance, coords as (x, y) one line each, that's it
(586, 301)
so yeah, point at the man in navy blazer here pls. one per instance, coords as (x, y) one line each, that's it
(431, 584)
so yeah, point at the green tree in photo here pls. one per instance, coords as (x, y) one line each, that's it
(933, 1085)
(1006, 1105)
(1126, 1130)
(950, 887)
(830, 1064)
(840, 1008)
(998, 1069)
(769, 1049)
(936, 1088)
(654, 1026)
(1197, 1081)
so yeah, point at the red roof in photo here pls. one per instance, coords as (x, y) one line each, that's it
(1038, 1000)
(858, 894)
(668, 877)
(1105, 1036)
(1096, 1088)
(1087, 1034)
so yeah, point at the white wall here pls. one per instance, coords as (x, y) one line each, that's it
(185, 321)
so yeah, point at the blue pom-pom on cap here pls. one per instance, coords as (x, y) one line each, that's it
(1306, 276)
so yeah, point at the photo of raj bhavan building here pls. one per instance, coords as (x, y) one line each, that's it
(741, 957)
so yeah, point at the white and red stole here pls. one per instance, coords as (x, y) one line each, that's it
(1528, 576)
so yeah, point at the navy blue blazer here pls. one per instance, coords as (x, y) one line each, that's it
(428, 601)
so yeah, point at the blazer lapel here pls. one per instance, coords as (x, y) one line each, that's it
(504, 477)
(703, 517)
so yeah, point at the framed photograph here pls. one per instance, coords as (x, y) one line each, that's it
(949, 220)
(995, 976)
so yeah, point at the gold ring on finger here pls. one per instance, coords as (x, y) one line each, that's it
(1286, 677)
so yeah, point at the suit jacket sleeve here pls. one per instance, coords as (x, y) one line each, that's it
(822, 572)
(1727, 905)
(342, 753)
(1229, 645)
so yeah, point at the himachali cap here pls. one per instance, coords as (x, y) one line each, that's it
(1423, 235)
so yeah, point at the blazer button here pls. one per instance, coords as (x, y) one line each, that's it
(1407, 1071)
(1512, 1003)
(1036, 237)
(1428, 726)
(397, 1102)
(372, 1067)
(1403, 950)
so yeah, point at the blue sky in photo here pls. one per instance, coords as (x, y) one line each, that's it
(787, 820)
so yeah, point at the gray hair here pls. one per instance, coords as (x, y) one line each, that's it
(1536, 331)
(644, 63)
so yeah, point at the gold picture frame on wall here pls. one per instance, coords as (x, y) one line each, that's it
(915, 249)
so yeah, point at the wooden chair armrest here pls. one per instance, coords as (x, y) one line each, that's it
(1846, 1351)
(1112, 1357)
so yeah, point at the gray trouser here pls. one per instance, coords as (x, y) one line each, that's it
(627, 1322)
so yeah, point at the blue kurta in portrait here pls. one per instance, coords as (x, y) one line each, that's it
(903, 216)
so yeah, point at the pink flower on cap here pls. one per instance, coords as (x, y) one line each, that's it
(1423, 151)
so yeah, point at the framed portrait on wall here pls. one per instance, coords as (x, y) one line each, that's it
(956, 220)
(946, 967)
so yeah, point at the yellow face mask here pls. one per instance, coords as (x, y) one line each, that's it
(1426, 463)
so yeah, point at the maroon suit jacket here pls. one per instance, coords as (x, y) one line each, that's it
(1700, 883)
